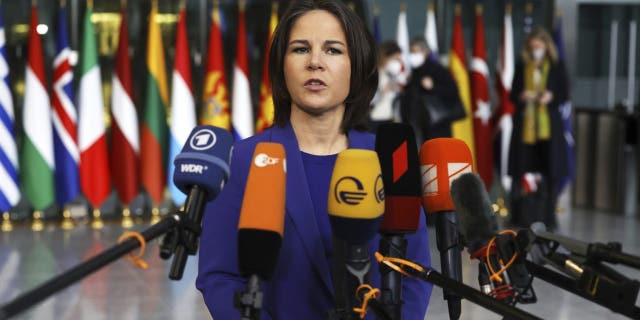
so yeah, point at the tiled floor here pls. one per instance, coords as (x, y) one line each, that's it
(122, 291)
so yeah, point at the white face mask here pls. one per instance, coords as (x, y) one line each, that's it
(416, 59)
(538, 54)
(393, 67)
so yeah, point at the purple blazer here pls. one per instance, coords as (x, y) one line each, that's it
(301, 286)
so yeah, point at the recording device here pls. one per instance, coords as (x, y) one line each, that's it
(201, 169)
(398, 154)
(356, 204)
(261, 224)
(479, 226)
(442, 160)
(582, 269)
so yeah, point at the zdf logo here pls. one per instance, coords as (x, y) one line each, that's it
(262, 160)
(202, 140)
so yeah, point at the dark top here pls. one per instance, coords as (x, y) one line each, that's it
(413, 111)
(318, 170)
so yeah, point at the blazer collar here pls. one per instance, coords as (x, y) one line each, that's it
(298, 198)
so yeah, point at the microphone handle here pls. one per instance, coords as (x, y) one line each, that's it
(351, 264)
(193, 211)
(471, 294)
(448, 243)
(392, 245)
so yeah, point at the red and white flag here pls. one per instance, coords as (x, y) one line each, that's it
(125, 137)
(506, 69)
(481, 109)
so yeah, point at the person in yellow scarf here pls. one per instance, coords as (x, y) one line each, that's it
(537, 156)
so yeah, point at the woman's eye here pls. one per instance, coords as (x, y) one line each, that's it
(300, 50)
(334, 51)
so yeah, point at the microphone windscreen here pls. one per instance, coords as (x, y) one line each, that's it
(356, 196)
(398, 154)
(442, 160)
(204, 160)
(261, 223)
(472, 204)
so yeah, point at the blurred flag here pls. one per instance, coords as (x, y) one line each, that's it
(528, 18)
(215, 96)
(481, 106)
(241, 109)
(377, 33)
(94, 165)
(402, 38)
(9, 188)
(125, 137)
(153, 138)
(265, 110)
(37, 159)
(430, 32)
(65, 119)
(566, 111)
(183, 110)
(461, 129)
(506, 69)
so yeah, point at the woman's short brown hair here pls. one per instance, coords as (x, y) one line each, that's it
(362, 53)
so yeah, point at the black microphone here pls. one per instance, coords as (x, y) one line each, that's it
(479, 227)
(201, 170)
(398, 154)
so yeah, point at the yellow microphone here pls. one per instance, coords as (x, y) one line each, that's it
(356, 196)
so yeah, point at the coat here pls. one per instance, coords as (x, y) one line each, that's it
(301, 287)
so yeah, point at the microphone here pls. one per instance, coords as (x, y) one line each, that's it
(355, 206)
(261, 224)
(201, 170)
(398, 154)
(442, 160)
(479, 227)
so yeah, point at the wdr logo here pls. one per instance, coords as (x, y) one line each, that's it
(203, 139)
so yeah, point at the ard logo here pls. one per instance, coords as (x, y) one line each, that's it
(202, 140)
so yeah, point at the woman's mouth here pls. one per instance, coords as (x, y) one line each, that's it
(315, 84)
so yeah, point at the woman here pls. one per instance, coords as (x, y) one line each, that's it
(537, 157)
(323, 76)
(383, 105)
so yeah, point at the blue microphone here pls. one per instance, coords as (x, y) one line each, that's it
(201, 170)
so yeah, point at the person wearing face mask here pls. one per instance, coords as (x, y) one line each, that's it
(428, 77)
(383, 106)
(538, 149)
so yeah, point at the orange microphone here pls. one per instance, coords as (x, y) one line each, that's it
(442, 161)
(261, 222)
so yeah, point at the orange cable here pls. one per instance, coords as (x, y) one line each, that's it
(137, 260)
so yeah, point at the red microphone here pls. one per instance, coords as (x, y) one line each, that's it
(443, 160)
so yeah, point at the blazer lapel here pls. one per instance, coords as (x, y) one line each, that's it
(298, 198)
(299, 204)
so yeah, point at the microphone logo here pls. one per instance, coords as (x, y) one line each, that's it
(430, 175)
(378, 189)
(350, 191)
(203, 139)
(262, 160)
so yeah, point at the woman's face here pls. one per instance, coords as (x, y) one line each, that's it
(317, 68)
(538, 48)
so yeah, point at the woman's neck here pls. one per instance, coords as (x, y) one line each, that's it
(319, 134)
